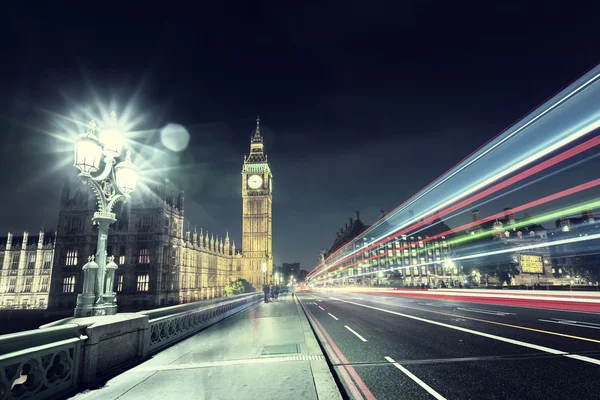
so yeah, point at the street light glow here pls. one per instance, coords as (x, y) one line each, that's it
(126, 174)
(88, 153)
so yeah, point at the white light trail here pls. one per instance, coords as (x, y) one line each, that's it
(489, 253)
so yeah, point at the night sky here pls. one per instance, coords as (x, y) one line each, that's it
(361, 103)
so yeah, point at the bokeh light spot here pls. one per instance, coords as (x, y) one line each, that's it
(175, 137)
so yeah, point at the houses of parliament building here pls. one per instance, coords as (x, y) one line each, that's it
(161, 261)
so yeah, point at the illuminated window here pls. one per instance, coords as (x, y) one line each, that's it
(142, 283)
(44, 285)
(15, 261)
(11, 285)
(120, 283)
(420, 244)
(121, 260)
(144, 257)
(28, 283)
(47, 261)
(68, 284)
(71, 257)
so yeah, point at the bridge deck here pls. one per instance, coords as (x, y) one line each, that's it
(267, 351)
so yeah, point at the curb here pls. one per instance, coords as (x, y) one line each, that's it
(323, 379)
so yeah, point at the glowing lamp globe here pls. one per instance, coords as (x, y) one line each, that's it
(88, 153)
(112, 141)
(126, 174)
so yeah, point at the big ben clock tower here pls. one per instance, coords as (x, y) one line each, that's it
(257, 217)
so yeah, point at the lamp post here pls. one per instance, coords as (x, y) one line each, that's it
(111, 182)
(264, 270)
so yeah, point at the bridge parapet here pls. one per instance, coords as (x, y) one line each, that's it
(61, 358)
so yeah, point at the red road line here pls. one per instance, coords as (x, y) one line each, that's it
(351, 370)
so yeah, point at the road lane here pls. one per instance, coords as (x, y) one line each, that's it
(455, 363)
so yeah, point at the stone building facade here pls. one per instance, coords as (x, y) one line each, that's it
(161, 261)
(25, 270)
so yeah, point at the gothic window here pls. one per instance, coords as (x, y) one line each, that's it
(144, 256)
(145, 223)
(28, 283)
(31, 263)
(122, 256)
(44, 285)
(47, 261)
(11, 285)
(1, 260)
(15, 261)
(142, 283)
(120, 283)
(71, 257)
(68, 284)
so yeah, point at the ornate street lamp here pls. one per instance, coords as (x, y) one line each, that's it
(264, 270)
(111, 181)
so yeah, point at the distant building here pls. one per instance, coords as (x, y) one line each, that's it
(407, 260)
(25, 270)
(506, 236)
(577, 262)
(159, 263)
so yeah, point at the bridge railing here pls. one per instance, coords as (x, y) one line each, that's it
(61, 358)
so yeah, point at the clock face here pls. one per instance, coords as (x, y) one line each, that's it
(255, 181)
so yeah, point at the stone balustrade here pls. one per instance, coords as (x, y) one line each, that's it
(66, 356)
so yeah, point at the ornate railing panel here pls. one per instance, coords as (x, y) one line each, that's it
(41, 364)
(169, 327)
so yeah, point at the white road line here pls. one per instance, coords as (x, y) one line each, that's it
(333, 316)
(572, 323)
(487, 335)
(353, 331)
(575, 322)
(320, 300)
(491, 312)
(583, 358)
(321, 308)
(425, 386)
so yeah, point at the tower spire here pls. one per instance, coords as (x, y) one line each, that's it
(257, 132)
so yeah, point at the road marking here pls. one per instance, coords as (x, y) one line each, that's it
(333, 316)
(487, 335)
(432, 305)
(492, 312)
(353, 331)
(321, 308)
(320, 300)
(425, 386)
(572, 323)
(346, 371)
(463, 317)
(575, 322)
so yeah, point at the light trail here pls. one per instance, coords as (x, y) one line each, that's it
(594, 74)
(563, 113)
(487, 254)
(523, 175)
(536, 220)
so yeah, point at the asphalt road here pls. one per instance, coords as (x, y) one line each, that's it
(389, 347)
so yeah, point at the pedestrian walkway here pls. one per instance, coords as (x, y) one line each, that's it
(265, 352)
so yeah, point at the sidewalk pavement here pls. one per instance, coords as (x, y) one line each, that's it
(265, 352)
